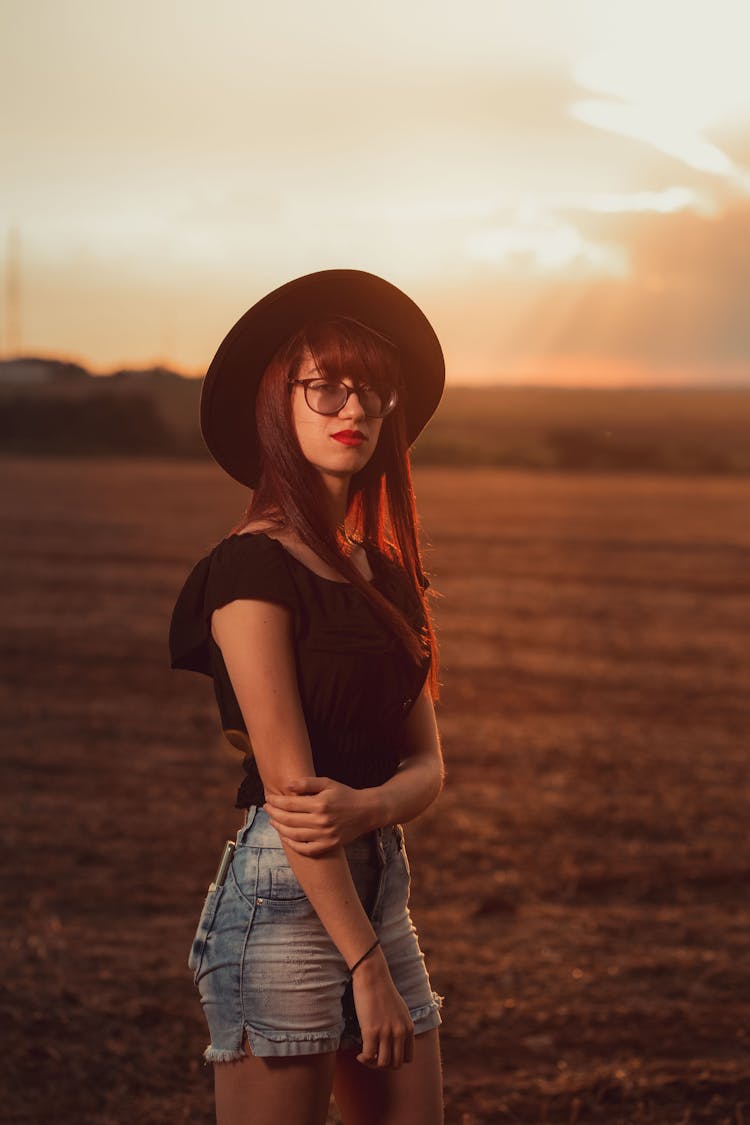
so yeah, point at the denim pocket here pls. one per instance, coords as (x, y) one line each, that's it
(205, 922)
(285, 887)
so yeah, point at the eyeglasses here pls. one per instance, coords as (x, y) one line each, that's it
(328, 397)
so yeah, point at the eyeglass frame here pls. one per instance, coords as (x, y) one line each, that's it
(349, 391)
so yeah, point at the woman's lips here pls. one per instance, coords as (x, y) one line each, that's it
(348, 438)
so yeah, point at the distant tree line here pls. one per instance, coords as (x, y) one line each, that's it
(580, 448)
(97, 423)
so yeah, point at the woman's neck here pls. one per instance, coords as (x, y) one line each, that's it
(336, 499)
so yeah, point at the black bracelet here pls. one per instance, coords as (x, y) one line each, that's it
(367, 954)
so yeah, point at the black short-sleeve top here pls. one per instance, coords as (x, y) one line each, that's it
(356, 681)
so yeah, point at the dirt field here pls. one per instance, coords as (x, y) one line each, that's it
(581, 887)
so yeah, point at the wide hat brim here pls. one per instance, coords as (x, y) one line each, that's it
(227, 406)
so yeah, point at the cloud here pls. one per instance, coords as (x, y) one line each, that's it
(657, 129)
(680, 313)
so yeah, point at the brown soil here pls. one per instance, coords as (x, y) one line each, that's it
(580, 888)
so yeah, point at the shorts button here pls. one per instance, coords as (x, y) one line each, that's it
(258, 901)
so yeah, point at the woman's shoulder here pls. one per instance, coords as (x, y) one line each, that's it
(254, 543)
(238, 566)
(240, 554)
(247, 564)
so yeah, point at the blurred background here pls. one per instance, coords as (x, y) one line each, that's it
(564, 187)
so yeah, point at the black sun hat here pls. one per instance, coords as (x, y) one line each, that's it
(227, 407)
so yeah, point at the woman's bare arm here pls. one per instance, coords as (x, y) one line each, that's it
(255, 642)
(255, 639)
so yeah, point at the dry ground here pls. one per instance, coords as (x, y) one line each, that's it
(581, 887)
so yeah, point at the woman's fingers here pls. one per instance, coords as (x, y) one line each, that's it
(290, 804)
(368, 1056)
(303, 792)
(401, 1040)
(387, 1049)
(318, 821)
(301, 811)
(322, 837)
(384, 1052)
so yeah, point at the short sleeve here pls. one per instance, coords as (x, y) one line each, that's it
(240, 566)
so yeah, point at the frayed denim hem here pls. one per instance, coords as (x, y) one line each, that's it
(433, 1008)
(427, 1017)
(216, 1054)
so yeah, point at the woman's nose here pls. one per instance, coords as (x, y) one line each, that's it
(352, 408)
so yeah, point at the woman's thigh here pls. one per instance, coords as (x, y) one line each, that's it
(411, 1095)
(293, 1090)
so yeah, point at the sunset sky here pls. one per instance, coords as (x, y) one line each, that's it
(564, 186)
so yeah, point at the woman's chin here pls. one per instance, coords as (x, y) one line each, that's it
(349, 461)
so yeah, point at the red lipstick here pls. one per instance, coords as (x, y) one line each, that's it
(349, 437)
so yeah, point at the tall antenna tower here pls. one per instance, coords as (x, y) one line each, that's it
(13, 293)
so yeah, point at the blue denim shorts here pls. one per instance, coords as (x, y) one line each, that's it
(263, 962)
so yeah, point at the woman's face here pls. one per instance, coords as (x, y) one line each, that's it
(339, 455)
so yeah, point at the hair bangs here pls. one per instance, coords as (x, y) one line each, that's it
(342, 347)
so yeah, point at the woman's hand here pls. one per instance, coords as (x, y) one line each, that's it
(317, 813)
(384, 1020)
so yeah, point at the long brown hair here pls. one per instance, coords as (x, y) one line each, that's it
(381, 507)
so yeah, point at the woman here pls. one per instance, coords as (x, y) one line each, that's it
(312, 620)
